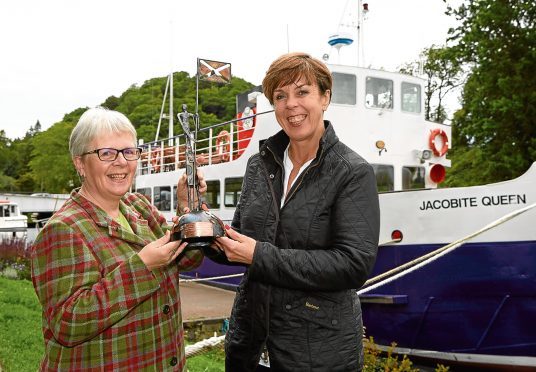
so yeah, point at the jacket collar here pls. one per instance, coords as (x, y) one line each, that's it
(279, 142)
(101, 219)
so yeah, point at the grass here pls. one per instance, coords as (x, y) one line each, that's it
(21, 345)
(212, 361)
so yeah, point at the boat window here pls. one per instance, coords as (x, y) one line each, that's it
(162, 198)
(379, 93)
(175, 201)
(233, 188)
(212, 196)
(145, 191)
(385, 177)
(413, 178)
(344, 89)
(411, 97)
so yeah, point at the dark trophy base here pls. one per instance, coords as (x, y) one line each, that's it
(198, 228)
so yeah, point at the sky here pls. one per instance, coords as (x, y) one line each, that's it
(59, 55)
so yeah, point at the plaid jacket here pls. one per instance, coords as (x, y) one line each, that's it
(103, 310)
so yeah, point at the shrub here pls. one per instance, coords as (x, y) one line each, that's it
(388, 361)
(15, 258)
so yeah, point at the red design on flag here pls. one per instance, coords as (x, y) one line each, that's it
(214, 71)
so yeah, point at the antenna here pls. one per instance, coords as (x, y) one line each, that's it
(170, 131)
(362, 11)
(169, 88)
(288, 43)
(344, 35)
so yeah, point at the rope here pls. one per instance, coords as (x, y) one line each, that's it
(211, 278)
(434, 255)
(203, 345)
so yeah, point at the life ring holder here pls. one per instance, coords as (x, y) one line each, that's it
(431, 142)
(223, 145)
(251, 121)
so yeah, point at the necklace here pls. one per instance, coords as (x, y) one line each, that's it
(300, 163)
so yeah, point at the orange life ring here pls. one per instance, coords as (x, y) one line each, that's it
(155, 160)
(431, 142)
(223, 145)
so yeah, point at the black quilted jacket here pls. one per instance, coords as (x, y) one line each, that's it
(298, 297)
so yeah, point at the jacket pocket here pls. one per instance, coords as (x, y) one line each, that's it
(321, 310)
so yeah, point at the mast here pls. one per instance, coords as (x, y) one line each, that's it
(362, 9)
(345, 31)
(170, 131)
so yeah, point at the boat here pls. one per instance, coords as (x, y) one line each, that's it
(13, 224)
(477, 299)
(455, 275)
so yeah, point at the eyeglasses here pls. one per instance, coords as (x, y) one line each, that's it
(105, 154)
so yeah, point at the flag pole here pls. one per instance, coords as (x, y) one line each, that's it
(197, 89)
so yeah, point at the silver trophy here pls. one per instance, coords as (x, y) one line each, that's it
(198, 227)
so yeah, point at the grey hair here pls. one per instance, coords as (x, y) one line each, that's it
(97, 121)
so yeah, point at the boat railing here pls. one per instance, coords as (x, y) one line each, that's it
(215, 144)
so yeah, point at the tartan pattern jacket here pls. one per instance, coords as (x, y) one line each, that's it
(103, 310)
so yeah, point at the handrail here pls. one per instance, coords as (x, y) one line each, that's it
(159, 156)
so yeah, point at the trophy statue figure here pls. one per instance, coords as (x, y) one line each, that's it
(198, 227)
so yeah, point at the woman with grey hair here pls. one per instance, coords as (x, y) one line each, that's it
(104, 268)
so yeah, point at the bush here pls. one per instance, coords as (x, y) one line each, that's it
(377, 360)
(15, 259)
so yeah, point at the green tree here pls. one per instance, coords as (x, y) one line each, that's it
(41, 161)
(443, 74)
(51, 163)
(14, 157)
(496, 125)
(4, 152)
(7, 182)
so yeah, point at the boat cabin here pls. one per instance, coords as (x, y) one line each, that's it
(377, 113)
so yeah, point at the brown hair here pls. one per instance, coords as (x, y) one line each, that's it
(291, 67)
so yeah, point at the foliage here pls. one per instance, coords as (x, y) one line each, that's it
(14, 157)
(443, 74)
(51, 163)
(7, 183)
(15, 258)
(374, 362)
(22, 344)
(495, 132)
(377, 360)
(40, 162)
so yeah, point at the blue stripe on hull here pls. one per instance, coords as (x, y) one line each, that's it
(480, 299)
